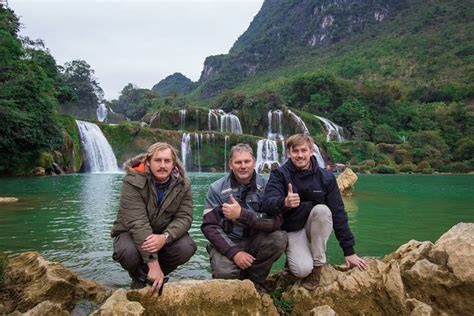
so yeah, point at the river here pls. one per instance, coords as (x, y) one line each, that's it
(68, 218)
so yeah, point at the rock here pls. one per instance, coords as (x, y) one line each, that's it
(39, 172)
(418, 308)
(378, 290)
(324, 310)
(31, 279)
(206, 297)
(47, 308)
(408, 254)
(346, 181)
(8, 199)
(455, 249)
(118, 304)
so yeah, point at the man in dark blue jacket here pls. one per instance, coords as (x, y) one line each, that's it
(311, 204)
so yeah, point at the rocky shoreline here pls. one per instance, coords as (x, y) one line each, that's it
(420, 278)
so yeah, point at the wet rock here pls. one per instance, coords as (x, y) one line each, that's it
(30, 279)
(8, 199)
(39, 172)
(346, 181)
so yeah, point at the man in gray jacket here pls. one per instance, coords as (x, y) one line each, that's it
(244, 241)
(151, 230)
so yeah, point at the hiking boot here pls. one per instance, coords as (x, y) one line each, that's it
(136, 285)
(311, 282)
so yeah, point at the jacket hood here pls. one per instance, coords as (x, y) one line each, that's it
(137, 164)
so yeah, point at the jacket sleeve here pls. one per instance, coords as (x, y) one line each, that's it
(260, 221)
(181, 222)
(339, 217)
(135, 218)
(212, 230)
(275, 193)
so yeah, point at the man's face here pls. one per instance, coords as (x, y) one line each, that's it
(300, 156)
(161, 164)
(243, 165)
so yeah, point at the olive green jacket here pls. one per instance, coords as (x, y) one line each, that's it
(140, 214)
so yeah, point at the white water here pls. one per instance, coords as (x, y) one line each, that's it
(186, 150)
(218, 120)
(267, 149)
(226, 140)
(99, 156)
(197, 150)
(319, 157)
(274, 125)
(182, 118)
(101, 112)
(333, 131)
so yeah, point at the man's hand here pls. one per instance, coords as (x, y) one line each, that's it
(155, 275)
(243, 259)
(154, 243)
(292, 200)
(355, 261)
(232, 209)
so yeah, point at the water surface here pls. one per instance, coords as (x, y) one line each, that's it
(68, 218)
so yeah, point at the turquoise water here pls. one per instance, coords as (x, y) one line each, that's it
(68, 218)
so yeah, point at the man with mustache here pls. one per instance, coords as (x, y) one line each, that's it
(309, 199)
(151, 230)
(244, 241)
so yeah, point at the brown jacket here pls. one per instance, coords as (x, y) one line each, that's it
(139, 212)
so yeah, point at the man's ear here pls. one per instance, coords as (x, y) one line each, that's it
(147, 163)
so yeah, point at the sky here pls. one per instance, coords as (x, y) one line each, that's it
(138, 42)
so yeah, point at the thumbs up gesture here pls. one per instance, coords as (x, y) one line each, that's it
(231, 209)
(292, 200)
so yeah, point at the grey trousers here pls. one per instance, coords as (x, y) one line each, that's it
(170, 256)
(265, 247)
(307, 246)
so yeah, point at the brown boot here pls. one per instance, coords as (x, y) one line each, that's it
(311, 282)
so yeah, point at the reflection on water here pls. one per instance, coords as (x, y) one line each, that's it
(68, 218)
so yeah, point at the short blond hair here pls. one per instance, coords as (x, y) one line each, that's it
(174, 154)
(298, 140)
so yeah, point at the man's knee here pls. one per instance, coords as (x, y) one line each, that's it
(279, 240)
(184, 248)
(301, 269)
(320, 213)
(223, 267)
(126, 253)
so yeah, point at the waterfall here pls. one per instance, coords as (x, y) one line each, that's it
(182, 118)
(274, 125)
(333, 130)
(299, 122)
(319, 157)
(186, 150)
(267, 154)
(224, 122)
(99, 156)
(230, 123)
(101, 112)
(197, 150)
(226, 140)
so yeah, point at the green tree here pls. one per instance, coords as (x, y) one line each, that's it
(385, 134)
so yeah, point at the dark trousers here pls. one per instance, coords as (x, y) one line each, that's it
(170, 256)
(265, 247)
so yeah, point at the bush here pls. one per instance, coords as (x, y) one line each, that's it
(457, 167)
(46, 160)
(385, 134)
(465, 148)
(424, 167)
(408, 167)
(386, 169)
(355, 168)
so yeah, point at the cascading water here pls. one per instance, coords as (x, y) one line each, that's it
(226, 140)
(182, 118)
(319, 157)
(186, 150)
(197, 150)
(213, 119)
(230, 123)
(267, 149)
(101, 112)
(334, 131)
(99, 156)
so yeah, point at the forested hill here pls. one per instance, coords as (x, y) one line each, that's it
(412, 41)
(176, 83)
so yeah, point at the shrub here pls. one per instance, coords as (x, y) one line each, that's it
(386, 169)
(46, 160)
(408, 167)
(385, 134)
(424, 167)
(457, 167)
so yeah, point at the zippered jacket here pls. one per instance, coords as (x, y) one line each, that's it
(224, 234)
(140, 214)
(314, 186)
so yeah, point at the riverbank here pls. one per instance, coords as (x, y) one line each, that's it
(419, 278)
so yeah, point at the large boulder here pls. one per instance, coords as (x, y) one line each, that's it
(209, 297)
(346, 181)
(30, 280)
